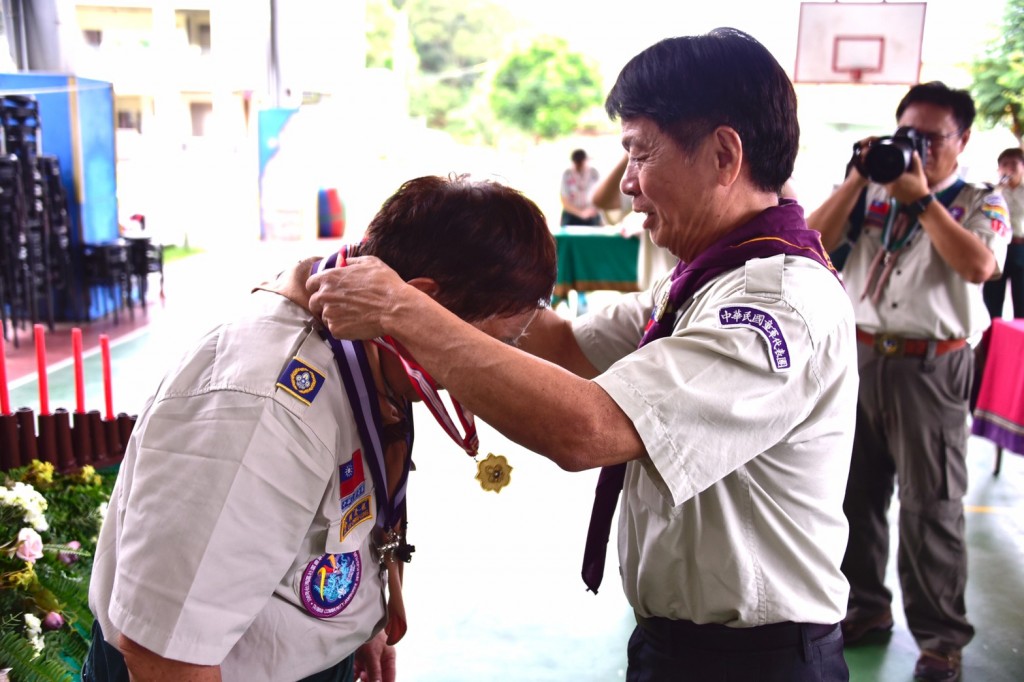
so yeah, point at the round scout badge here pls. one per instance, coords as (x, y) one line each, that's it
(329, 583)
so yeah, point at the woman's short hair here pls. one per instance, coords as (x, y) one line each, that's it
(487, 246)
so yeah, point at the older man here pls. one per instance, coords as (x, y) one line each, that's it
(720, 402)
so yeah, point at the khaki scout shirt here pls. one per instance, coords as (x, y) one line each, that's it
(925, 298)
(735, 516)
(1015, 205)
(218, 543)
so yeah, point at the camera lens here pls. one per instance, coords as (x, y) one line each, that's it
(886, 161)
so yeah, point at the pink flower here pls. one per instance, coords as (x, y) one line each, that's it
(67, 557)
(30, 545)
(53, 621)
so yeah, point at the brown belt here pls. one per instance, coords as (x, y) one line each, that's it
(897, 346)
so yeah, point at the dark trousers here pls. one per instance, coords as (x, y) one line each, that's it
(573, 219)
(104, 663)
(662, 650)
(1013, 274)
(911, 430)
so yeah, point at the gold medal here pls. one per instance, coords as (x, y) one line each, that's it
(494, 472)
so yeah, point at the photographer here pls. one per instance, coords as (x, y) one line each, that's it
(928, 242)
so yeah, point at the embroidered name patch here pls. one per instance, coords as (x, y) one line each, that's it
(329, 583)
(301, 380)
(353, 483)
(358, 512)
(765, 325)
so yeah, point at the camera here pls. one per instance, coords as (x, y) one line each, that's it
(889, 157)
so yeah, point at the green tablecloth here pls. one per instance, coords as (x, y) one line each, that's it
(595, 258)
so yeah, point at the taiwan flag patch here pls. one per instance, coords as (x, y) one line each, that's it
(353, 482)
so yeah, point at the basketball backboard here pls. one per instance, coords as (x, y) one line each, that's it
(860, 42)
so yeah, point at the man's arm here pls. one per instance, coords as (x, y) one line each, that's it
(147, 666)
(960, 248)
(536, 403)
(832, 216)
(606, 194)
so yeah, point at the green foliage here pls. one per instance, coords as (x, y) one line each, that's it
(64, 512)
(998, 86)
(380, 34)
(455, 40)
(546, 89)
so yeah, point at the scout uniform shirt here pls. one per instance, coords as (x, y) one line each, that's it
(746, 411)
(238, 532)
(924, 297)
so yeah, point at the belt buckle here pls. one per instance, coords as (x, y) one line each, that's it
(888, 345)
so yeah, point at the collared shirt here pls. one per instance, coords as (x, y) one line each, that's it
(735, 516)
(925, 298)
(237, 486)
(576, 187)
(1015, 204)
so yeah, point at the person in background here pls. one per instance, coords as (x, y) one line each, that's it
(719, 403)
(577, 184)
(1011, 186)
(928, 241)
(259, 512)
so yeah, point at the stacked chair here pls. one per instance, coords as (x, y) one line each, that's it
(35, 245)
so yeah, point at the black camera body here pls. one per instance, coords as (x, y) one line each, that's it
(890, 157)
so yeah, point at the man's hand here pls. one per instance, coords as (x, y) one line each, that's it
(910, 186)
(352, 300)
(375, 660)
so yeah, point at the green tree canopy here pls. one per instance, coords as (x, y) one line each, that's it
(546, 89)
(998, 86)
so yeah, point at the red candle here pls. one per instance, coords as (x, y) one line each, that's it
(44, 391)
(105, 352)
(5, 398)
(76, 350)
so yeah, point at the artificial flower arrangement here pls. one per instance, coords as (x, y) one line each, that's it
(49, 524)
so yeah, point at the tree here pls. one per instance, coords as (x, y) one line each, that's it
(998, 86)
(455, 40)
(546, 89)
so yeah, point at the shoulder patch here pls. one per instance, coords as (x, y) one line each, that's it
(994, 208)
(301, 380)
(765, 325)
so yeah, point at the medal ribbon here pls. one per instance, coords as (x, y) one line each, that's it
(777, 230)
(422, 382)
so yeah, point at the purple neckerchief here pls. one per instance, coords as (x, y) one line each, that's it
(777, 230)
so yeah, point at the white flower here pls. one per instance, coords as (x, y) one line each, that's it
(34, 624)
(30, 500)
(103, 511)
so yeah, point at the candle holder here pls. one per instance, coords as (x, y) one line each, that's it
(113, 438)
(81, 441)
(96, 435)
(9, 448)
(65, 449)
(47, 438)
(125, 425)
(27, 435)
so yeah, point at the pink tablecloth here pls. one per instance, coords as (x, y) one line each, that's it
(999, 414)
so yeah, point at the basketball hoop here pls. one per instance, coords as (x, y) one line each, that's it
(860, 42)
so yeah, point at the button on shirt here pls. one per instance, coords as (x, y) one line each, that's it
(228, 491)
(735, 517)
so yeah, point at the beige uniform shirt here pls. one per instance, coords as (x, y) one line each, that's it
(1015, 204)
(925, 298)
(747, 413)
(228, 539)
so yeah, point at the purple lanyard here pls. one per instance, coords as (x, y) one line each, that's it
(362, 396)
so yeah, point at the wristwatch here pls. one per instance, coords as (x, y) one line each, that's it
(918, 207)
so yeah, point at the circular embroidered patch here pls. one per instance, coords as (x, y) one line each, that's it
(329, 583)
(303, 380)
